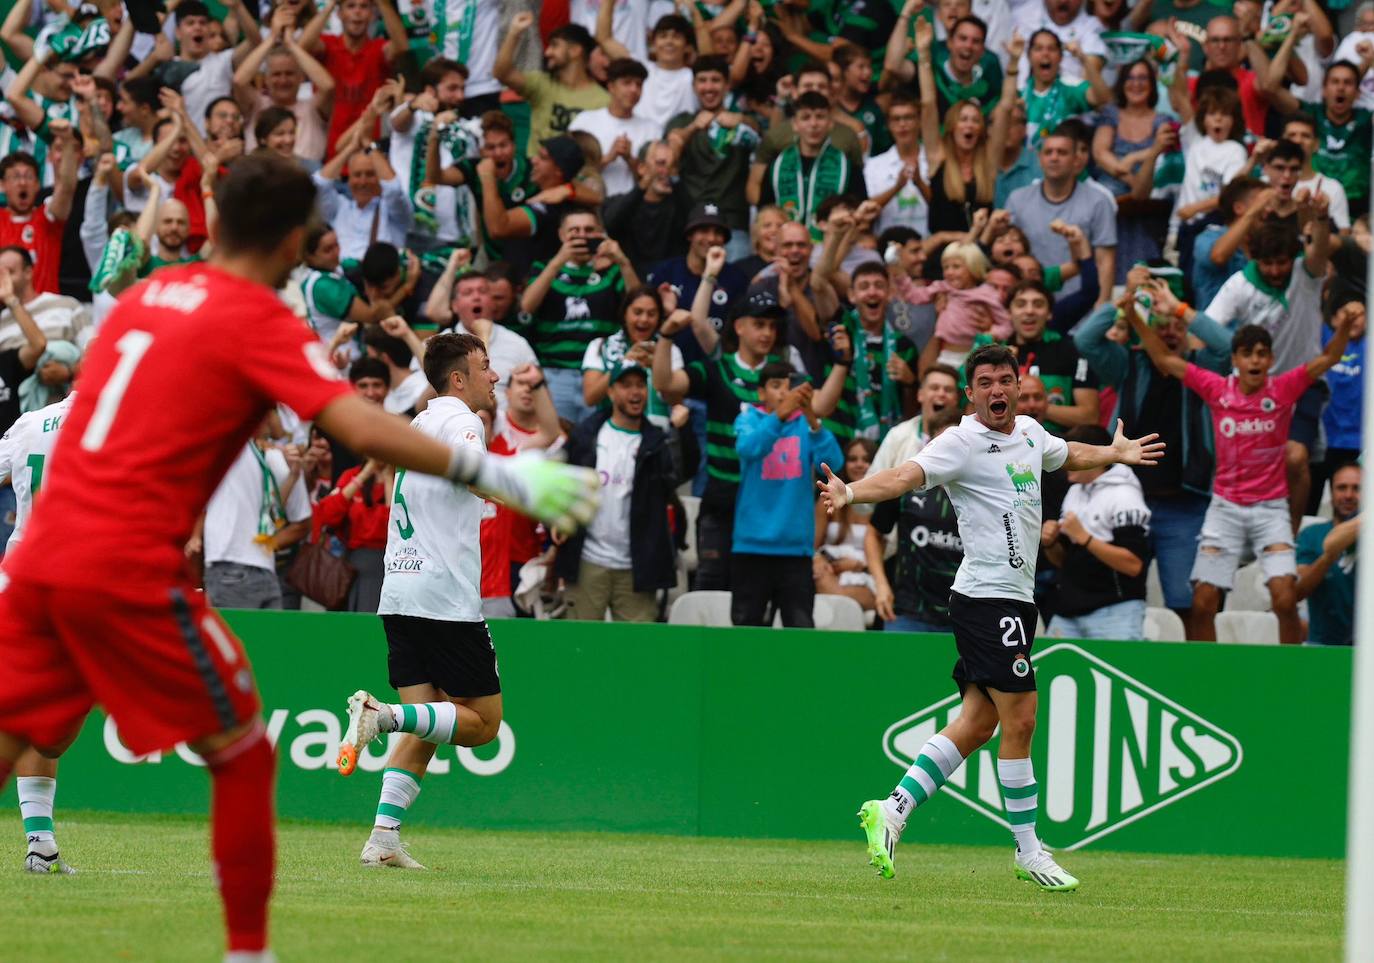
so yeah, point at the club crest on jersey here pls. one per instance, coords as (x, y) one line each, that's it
(1026, 435)
(1022, 476)
(1020, 667)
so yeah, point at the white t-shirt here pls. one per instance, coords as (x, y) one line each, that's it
(1339, 204)
(606, 127)
(909, 207)
(1347, 51)
(630, 24)
(236, 510)
(993, 481)
(1208, 167)
(405, 395)
(24, 451)
(608, 536)
(433, 542)
(595, 358)
(1296, 329)
(506, 351)
(903, 443)
(214, 79)
(667, 93)
(1084, 29)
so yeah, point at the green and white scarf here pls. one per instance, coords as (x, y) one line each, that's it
(423, 199)
(74, 41)
(272, 509)
(1252, 274)
(459, 27)
(119, 261)
(799, 194)
(876, 412)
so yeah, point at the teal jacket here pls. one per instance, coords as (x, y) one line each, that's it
(1131, 373)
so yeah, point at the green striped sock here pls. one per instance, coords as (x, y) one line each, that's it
(36, 795)
(435, 722)
(1021, 798)
(399, 789)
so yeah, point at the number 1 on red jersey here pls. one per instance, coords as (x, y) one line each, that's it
(131, 347)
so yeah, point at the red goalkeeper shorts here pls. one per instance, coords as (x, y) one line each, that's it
(167, 668)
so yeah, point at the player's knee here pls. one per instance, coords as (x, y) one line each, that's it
(1018, 730)
(486, 732)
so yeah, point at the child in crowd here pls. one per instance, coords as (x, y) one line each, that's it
(972, 306)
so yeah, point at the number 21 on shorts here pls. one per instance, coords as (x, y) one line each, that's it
(1013, 631)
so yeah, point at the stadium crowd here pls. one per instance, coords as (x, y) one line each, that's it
(713, 246)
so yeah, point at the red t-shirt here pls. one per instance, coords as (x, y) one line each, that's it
(356, 78)
(359, 524)
(41, 235)
(507, 536)
(185, 368)
(1253, 103)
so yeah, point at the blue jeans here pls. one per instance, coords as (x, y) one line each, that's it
(7, 510)
(909, 623)
(698, 426)
(739, 246)
(565, 388)
(1124, 620)
(1175, 525)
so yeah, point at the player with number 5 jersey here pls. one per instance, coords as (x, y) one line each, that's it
(185, 368)
(990, 465)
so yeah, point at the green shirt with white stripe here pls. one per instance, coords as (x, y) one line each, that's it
(580, 307)
(727, 386)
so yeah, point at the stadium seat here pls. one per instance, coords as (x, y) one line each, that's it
(1250, 593)
(1163, 625)
(838, 613)
(1309, 520)
(1154, 590)
(700, 608)
(1248, 628)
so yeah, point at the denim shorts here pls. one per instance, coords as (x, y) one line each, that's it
(1121, 621)
(1232, 534)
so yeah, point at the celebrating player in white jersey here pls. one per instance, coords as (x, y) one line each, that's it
(24, 452)
(439, 652)
(990, 466)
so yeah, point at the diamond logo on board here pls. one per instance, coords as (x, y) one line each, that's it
(1109, 750)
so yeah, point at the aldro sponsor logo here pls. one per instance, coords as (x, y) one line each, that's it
(1230, 427)
(1109, 750)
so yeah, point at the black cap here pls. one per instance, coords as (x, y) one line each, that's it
(621, 368)
(758, 302)
(706, 215)
(565, 153)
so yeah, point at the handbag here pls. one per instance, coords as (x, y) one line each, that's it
(322, 576)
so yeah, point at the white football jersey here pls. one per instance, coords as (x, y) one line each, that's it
(433, 541)
(993, 481)
(24, 453)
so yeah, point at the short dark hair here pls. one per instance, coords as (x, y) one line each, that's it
(773, 370)
(580, 211)
(711, 64)
(503, 271)
(903, 98)
(1233, 193)
(1302, 118)
(192, 8)
(1010, 268)
(1347, 65)
(846, 53)
(940, 368)
(675, 23)
(868, 267)
(381, 261)
(1076, 130)
(107, 85)
(1286, 150)
(262, 199)
(811, 66)
(498, 120)
(813, 100)
(898, 235)
(1215, 78)
(394, 348)
(144, 91)
(993, 355)
(575, 34)
(1045, 32)
(316, 234)
(1250, 336)
(433, 73)
(23, 253)
(446, 352)
(268, 120)
(1089, 435)
(828, 206)
(1275, 238)
(368, 368)
(976, 21)
(1028, 284)
(18, 158)
(209, 108)
(626, 67)
(1119, 88)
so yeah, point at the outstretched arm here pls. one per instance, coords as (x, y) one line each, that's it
(504, 69)
(1163, 359)
(1335, 348)
(878, 487)
(1122, 451)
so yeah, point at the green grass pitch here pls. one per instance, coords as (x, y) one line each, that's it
(144, 893)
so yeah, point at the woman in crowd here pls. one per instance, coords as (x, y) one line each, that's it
(839, 564)
(641, 314)
(358, 509)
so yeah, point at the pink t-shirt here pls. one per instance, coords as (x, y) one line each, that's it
(1250, 432)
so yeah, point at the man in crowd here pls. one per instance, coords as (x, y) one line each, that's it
(939, 390)
(375, 208)
(17, 361)
(1326, 563)
(706, 228)
(470, 310)
(359, 62)
(1217, 251)
(563, 90)
(34, 226)
(617, 128)
(396, 346)
(626, 556)
(811, 169)
(651, 218)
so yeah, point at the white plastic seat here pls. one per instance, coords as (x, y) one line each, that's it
(1250, 593)
(691, 507)
(1163, 625)
(1248, 628)
(700, 608)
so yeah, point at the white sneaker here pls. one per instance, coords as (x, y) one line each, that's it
(44, 858)
(385, 849)
(363, 726)
(244, 956)
(1040, 868)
